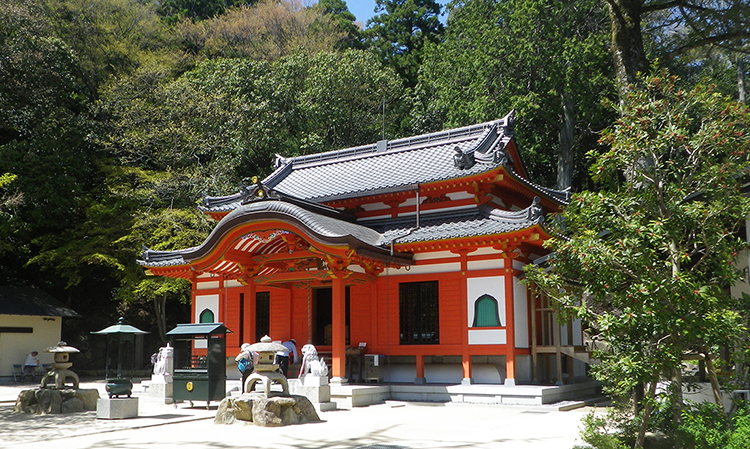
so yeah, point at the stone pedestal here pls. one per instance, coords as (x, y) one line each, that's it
(116, 408)
(316, 389)
(160, 388)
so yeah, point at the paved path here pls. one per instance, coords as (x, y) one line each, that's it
(393, 425)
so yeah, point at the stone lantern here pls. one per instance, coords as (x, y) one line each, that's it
(266, 370)
(61, 368)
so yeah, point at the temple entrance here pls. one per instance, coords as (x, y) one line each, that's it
(322, 312)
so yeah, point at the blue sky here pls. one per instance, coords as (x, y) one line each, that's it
(365, 9)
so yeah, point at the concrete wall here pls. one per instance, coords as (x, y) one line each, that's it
(14, 346)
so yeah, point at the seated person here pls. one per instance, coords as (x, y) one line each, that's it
(30, 365)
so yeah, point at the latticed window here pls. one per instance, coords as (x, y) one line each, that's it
(262, 314)
(486, 312)
(418, 313)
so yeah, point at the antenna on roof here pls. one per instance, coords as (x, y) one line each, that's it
(383, 118)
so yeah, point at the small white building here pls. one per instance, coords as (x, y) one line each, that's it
(30, 320)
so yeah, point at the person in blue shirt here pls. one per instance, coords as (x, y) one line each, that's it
(283, 359)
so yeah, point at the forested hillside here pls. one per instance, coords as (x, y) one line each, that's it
(117, 115)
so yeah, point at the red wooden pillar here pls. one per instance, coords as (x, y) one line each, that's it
(193, 294)
(420, 370)
(339, 329)
(510, 333)
(222, 312)
(465, 356)
(249, 336)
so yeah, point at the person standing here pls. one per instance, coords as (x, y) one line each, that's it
(246, 361)
(283, 358)
(30, 365)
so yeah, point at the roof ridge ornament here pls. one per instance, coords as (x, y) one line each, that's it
(509, 123)
(533, 213)
(463, 161)
(256, 192)
(280, 160)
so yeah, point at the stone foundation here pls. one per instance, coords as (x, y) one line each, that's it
(266, 411)
(47, 401)
(117, 408)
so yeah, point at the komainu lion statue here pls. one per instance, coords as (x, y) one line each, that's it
(311, 364)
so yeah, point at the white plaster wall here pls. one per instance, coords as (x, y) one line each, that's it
(487, 337)
(523, 369)
(742, 286)
(520, 314)
(577, 332)
(14, 347)
(459, 195)
(203, 302)
(434, 255)
(206, 285)
(485, 264)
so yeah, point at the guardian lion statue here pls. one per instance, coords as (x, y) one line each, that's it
(311, 364)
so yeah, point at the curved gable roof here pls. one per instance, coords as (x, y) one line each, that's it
(323, 228)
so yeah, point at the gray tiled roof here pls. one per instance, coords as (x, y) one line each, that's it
(397, 166)
(31, 301)
(471, 222)
(365, 170)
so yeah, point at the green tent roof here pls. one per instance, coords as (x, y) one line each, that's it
(199, 329)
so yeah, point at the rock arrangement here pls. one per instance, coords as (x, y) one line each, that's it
(265, 411)
(46, 401)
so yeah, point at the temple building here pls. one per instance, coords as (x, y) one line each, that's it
(411, 249)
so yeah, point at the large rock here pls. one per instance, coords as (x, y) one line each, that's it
(44, 401)
(266, 411)
(72, 405)
(49, 401)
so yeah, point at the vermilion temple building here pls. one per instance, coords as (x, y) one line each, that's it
(414, 247)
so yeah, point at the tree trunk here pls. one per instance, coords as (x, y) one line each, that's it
(565, 156)
(711, 370)
(646, 417)
(677, 403)
(638, 393)
(741, 78)
(160, 312)
(627, 42)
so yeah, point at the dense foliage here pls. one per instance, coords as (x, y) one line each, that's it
(648, 260)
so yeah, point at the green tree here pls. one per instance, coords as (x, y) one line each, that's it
(225, 119)
(401, 30)
(109, 37)
(648, 260)
(196, 10)
(266, 31)
(683, 26)
(546, 59)
(343, 20)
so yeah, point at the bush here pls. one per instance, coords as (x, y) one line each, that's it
(740, 437)
(705, 426)
(600, 434)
